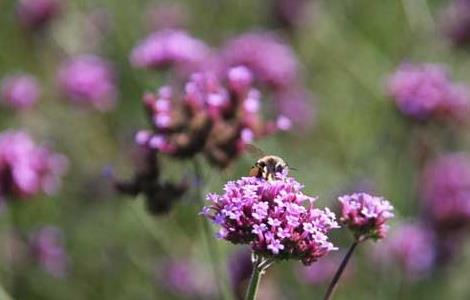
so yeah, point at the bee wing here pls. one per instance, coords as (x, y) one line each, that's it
(255, 151)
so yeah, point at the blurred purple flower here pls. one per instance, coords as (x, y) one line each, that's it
(456, 21)
(167, 48)
(20, 91)
(270, 59)
(27, 169)
(424, 91)
(322, 271)
(289, 13)
(35, 14)
(365, 215)
(296, 104)
(47, 246)
(89, 79)
(186, 278)
(410, 245)
(446, 190)
(269, 216)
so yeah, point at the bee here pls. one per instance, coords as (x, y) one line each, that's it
(267, 166)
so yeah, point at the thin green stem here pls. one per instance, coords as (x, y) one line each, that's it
(209, 239)
(255, 279)
(339, 272)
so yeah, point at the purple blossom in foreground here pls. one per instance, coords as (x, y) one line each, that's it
(35, 14)
(365, 215)
(410, 245)
(424, 91)
(27, 169)
(446, 190)
(90, 80)
(269, 215)
(323, 270)
(270, 59)
(186, 278)
(20, 91)
(169, 47)
(47, 246)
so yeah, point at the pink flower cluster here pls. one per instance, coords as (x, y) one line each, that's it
(446, 190)
(365, 215)
(20, 91)
(424, 91)
(269, 215)
(215, 116)
(37, 13)
(90, 80)
(47, 245)
(27, 169)
(410, 245)
(169, 47)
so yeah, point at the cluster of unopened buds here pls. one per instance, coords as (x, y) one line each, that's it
(215, 116)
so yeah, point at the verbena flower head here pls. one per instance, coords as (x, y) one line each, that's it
(412, 246)
(89, 80)
(47, 246)
(424, 91)
(35, 14)
(169, 47)
(27, 169)
(270, 216)
(215, 115)
(446, 190)
(365, 215)
(19, 91)
(271, 60)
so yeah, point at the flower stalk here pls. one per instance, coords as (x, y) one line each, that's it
(260, 265)
(334, 282)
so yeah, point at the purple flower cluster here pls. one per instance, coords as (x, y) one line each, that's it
(270, 59)
(446, 190)
(89, 79)
(214, 116)
(27, 169)
(20, 91)
(269, 215)
(169, 47)
(35, 14)
(365, 215)
(47, 245)
(410, 245)
(424, 91)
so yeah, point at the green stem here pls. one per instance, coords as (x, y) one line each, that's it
(212, 248)
(339, 272)
(254, 281)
